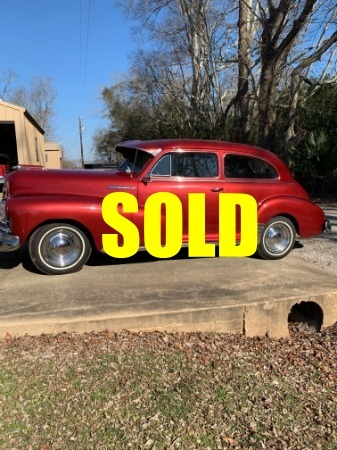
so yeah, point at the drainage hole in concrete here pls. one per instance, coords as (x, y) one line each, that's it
(305, 317)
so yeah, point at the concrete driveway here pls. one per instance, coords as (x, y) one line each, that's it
(244, 295)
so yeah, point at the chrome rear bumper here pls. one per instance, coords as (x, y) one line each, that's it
(327, 226)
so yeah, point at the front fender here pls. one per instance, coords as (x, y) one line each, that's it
(28, 213)
(307, 216)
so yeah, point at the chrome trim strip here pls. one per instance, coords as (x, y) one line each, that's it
(260, 227)
(111, 186)
(183, 245)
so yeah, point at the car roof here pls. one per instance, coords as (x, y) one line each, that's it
(160, 145)
(154, 147)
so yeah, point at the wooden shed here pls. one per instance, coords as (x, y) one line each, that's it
(53, 155)
(21, 137)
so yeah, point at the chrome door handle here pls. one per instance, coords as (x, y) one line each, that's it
(217, 189)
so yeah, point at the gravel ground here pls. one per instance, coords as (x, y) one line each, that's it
(321, 250)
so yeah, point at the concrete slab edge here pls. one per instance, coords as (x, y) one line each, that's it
(253, 319)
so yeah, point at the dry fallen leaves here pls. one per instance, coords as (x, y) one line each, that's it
(169, 391)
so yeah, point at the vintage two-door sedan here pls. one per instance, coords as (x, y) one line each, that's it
(59, 212)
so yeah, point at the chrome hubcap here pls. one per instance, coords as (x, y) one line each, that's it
(62, 248)
(278, 238)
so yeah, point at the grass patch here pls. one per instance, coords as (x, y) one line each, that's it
(168, 391)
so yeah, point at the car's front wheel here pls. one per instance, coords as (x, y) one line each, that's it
(59, 248)
(277, 239)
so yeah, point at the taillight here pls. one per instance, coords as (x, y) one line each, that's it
(4, 169)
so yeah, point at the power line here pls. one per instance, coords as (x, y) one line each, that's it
(83, 68)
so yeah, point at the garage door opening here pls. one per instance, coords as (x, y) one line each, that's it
(305, 316)
(8, 146)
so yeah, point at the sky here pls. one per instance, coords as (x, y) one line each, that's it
(83, 45)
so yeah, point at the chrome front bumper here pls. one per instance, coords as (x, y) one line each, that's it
(327, 226)
(8, 242)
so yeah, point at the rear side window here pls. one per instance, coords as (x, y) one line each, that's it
(189, 164)
(238, 166)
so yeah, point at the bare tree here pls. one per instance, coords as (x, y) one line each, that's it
(299, 76)
(39, 100)
(229, 68)
(188, 68)
(246, 29)
(284, 46)
(7, 79)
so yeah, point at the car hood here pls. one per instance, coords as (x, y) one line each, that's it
(84, 183)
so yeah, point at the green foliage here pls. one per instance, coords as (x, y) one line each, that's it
(318, 110)
(133, 115)
(314, 163)
(321, 153)
(317, 156)
(105, 141)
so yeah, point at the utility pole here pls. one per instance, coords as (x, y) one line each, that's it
(81, 142)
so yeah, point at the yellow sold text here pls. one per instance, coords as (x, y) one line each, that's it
(117, 203)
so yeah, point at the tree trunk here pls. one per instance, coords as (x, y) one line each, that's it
(267, 105)
(244, 45)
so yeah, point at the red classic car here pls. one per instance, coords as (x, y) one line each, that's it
(59, 212)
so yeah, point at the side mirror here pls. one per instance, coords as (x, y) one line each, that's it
(146, 179)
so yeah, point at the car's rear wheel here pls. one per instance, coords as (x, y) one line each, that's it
(277, 239)
(59, 248)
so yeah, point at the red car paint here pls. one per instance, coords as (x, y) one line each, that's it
(36, 198)
(4, 170)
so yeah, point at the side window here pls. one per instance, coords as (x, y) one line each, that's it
(189, 164)
(163, 167)
(238, 166)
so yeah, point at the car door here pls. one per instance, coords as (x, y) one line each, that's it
(182, 173)
(248, 174)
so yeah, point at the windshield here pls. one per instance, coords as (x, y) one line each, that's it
(135, 160)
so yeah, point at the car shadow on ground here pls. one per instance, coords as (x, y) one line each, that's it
(102, 259)
(14, 259)
(21, 257)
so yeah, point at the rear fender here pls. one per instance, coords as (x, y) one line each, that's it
(307, 217)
